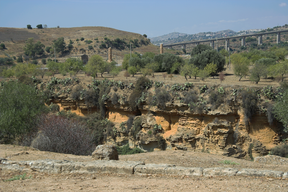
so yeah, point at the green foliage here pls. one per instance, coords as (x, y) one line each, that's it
(257, 72)
(203, 74)
(32, 49)
(53, 67)
(59, 45)
(132, 70)
(29, 27)
(19, 177)
(216, 99)
(115, 71)
(43, 61)
(126, 150)
(6, 61)
(19, 107)
(250, 151)
(249, 104)
(204, 55)
(240, 65)
(228, 162)
(211, 69)
(2, 46)
(82, 39)
(95, 65)
(281, 108)
(279, 69)
(88, 41)
(141, 86)
(136, 62)
(19, 59)
(74, 65)
(162, 97)
(125, 63)
(137, 126)
(166, 61)
(280, 150)
(8, 73)
(39, 26)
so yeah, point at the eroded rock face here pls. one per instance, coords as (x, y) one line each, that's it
(105, 152)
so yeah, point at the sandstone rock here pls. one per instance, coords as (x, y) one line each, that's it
(271, 159)
(105, 152)
(259, 148)
(285, 175)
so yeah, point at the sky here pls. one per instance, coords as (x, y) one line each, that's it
(151, 17)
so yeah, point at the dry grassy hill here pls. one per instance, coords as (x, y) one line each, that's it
(14, 40)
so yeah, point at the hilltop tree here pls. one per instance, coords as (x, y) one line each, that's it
(39, 26)
(29, 27)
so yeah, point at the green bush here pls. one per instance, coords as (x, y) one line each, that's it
(77, 93)
(216, 99)
(43, 61)
(114, 99)
(82, 39)
(20, 106)
(2, 46)
(249, 104)
(142, 85)
(162, 97)
(126, 150)
(280, 150)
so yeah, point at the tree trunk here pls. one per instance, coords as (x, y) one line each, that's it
(240, 78)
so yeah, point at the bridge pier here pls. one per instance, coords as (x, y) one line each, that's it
(278, 39)
(226, 44)
(260, 40)
(184, 46)
(161, 48)
(243, 41)
(212, 44)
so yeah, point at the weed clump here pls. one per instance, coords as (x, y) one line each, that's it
(126, 150)
(280, 150)
(142, 85)
(216, 99)
(249, 104)
(162, 97)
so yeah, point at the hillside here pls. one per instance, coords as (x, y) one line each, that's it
(14, 40)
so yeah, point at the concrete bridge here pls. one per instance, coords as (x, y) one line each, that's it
(226, 39)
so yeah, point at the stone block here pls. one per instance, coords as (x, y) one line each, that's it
(218, 171)
(151, 169)
(260, 173)
(187, 171)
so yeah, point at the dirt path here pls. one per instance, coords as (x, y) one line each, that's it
(106, 182)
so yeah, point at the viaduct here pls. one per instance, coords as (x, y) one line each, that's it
(226, 39)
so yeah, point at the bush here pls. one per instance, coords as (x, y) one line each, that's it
(2, 46)
(280, 150)
(190, 98)
(114, 99)
(126, 150)
(162, 97)
(216, 99)
(141, 86)
(61, 135)
(136, 127)
(54, 108)
(161, 143)
(249, 104)
(29, 27)
(43, 61)
(20, 106)
(39, 26)
(82, 39)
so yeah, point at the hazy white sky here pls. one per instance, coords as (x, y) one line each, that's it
(152, 17)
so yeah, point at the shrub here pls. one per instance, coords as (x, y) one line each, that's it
(250, 151)
(20, 106)
(82, 39)
(126, 150)
(39, 26)
(190, 98)
(136, 127)
(141, 86)
(249, 104)
(161, 143)
(280, 150)
(54, 108)
(88, 41)
(58, 134)
(162, 97)
(77, 93)
(114, 99)
(2, 46)
(90, 47)
(29, 27)
(43, 61)
(216, 99)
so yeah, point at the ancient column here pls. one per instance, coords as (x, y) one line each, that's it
(109, 54)
(161, 48)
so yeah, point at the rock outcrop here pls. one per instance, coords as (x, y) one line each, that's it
(105, 152)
